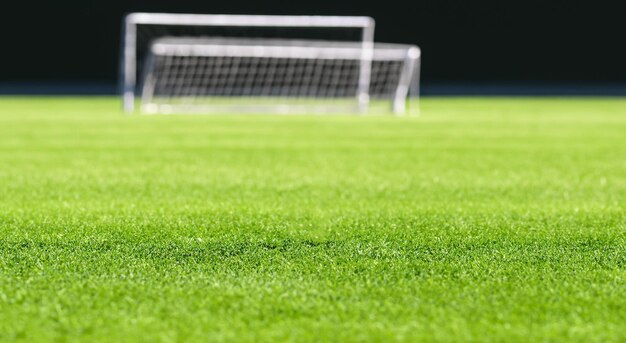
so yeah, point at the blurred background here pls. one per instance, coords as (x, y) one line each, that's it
(469, 47)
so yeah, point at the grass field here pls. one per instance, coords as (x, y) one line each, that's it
(480, 220)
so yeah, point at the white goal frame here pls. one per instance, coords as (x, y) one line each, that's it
(132, 21)
(407, 55)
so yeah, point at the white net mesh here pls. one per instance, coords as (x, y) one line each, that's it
(277, 75)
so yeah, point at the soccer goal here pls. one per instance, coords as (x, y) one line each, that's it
(180, 63)
(185, 75)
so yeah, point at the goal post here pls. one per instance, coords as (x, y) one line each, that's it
(133, 42)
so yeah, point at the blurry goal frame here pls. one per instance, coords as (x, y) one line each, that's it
(129, 59)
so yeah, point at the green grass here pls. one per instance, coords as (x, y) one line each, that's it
(480, 220)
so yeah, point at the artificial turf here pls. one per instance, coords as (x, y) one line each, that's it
(479, 220)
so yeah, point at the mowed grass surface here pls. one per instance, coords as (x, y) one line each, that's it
(481, 220)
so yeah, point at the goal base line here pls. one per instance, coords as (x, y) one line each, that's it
(271, 105)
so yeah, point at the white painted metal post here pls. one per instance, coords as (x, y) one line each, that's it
(129, 64)
(406, 77)
(367, 53)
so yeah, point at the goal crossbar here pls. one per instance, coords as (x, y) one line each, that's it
(249, 20)
(279, 49)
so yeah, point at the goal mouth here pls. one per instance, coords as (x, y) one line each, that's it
(217, 75)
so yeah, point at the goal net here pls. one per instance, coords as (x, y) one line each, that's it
(273, 75)
(214, 63)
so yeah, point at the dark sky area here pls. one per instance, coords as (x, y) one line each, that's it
(557, 41)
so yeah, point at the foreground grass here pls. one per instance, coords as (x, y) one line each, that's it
(483, 219)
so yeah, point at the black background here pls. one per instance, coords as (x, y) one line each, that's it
(548, 41)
